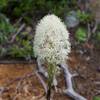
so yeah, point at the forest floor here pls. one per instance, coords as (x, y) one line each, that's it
(18, 83)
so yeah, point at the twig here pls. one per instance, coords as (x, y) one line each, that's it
(30, 75)
(20, 78)
(95, 27)
(97, 92)
(42, 71)
(41, 68)
(97, 82)
(19, 30)
(19, 20)
(89, 32)
(42, 82)
(68, 78)
(24, 77)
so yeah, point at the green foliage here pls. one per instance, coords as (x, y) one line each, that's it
(96, 98)
(23, 6)
(72, 4)
(21, 52)
(23, 48)
(84, 17)
(52, 69)
(5, 28)
(2, 51)
(59, 8)
(28, 8)
(3, 3)
(81, 35)
(98, 36)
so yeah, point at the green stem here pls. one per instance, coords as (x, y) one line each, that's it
(51, 73)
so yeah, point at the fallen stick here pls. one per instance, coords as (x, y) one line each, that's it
(19, 30)
(20, 78)
(68, 78)
(89, 32)
(18, 22)
(42, 82)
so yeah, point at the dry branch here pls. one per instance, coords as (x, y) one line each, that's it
(42, 82)
(68, 78)
(19, 30)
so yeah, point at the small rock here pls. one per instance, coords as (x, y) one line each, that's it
(71, 20)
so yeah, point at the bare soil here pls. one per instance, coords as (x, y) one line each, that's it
(18, 83)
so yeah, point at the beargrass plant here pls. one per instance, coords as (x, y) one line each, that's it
(52, 69)
(51, 44)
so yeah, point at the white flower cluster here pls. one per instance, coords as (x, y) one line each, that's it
(51, 41)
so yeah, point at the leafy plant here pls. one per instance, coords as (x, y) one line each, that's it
(52, 69)
(21, 52)
(96, 98)
(98, 36)
(81, 35)
(72, 3)
(97, 39)
(27, 8)
(23, 6)
(84, 17)
(2, 51)
(23, 47)
(5, 28)
(3, 3)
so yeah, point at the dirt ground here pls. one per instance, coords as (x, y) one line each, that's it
(19, 82)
